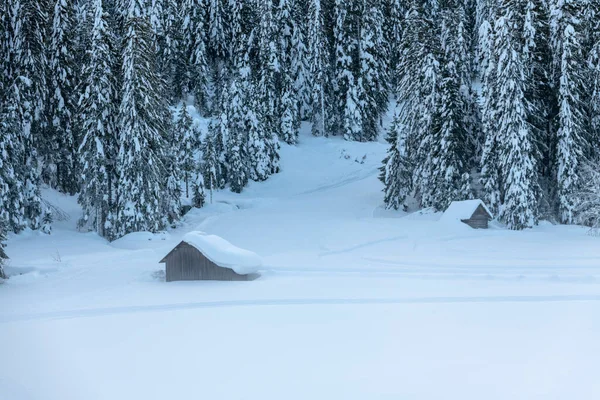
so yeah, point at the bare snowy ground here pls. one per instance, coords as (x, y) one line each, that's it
(355, 302)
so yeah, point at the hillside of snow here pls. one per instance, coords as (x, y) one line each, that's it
(354, 301)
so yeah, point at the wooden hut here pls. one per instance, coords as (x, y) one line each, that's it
(471, 212)
(208, 257)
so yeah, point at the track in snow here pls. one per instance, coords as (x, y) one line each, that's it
(110, 311)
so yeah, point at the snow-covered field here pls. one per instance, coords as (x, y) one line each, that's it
(355, 302)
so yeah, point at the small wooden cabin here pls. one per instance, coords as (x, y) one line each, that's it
(208, 257)
(471, 212)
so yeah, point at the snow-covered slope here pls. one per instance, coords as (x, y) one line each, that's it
(355, 302)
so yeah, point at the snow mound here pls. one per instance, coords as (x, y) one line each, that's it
(223, 253)
(459, 210)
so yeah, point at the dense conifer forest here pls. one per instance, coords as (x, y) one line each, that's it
(492, 99)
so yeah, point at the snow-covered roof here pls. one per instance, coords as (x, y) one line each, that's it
(459, 210)
(223, 253)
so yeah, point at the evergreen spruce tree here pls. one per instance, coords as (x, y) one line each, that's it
(373, 69)
(194, 45)
(258, 151)
(268, 69)
(396, 172)
(236, 150)
(571, 84)
(218, 29)
(28, 66)
(484, 24)
(97, 112)
(542, 96)
(3, 256)
(142, 175)
(218, 49)
(186, 138)
(289, 123)
(321, 110)
(299, 59)
(452, 146)
(263, 108)
(392, 31)
(210, 162)
(220, 136)
(173, 165)
(345, 34)
(418, 93)
(24, 96)
(12, 151)
(60, 141)
(290, 115)
(516, 152)
(594, 62)
(174, 64)
(490, 164)
(198, 195)
(353, 112)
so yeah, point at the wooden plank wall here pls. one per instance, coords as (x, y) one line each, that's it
(479, 219)
(186, 263)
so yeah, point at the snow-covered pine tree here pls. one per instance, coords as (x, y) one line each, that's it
(83, 20)
(218, 29)
(4, 45)
(588, 197)
(171, 198)
(263, 108)
(345, 32)
(174, 65)
(12, 180)
(237, 30)
(258, 152)
(373, 69)
(418, 97)
(268, 69)
(318, 61)
(97, 112)
(361, 67)
(25, 93)
(490, 164)
(396, 173)
(354, 128)
(142, 114)
(594, 63)
(220, 139)
(516, 152)
(567, 28)
(452, 147)
(7, 174)
(3, 256)
(198, 195)
(289, 123)
(60, 143)
(218, 49)
(236, 146)
(194, 45)
(300, 59)
(392, 31)
(485, 14)
(210, 160)
(542, 96)
(155, 10)
(29, 62)
(186, 138)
